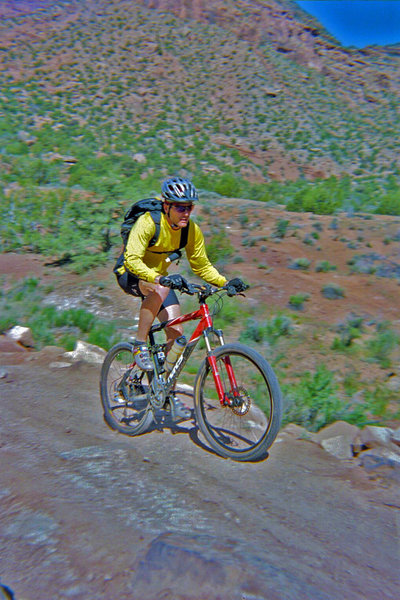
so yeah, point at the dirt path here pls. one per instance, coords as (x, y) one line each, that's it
(88, 513)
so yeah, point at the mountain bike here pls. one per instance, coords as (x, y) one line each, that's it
(237, 399)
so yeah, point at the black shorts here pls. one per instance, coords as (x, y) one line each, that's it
(130, 284)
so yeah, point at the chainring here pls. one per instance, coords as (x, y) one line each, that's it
(158, 398)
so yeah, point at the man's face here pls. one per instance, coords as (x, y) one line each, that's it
(178, 214)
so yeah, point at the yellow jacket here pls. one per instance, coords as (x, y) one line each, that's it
(148, 263)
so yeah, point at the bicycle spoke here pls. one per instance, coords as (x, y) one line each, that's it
(243, 426)
(125, 392)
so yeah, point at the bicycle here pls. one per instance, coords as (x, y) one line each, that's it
(237, 399)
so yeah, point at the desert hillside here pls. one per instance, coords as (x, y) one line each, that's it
(290, 139)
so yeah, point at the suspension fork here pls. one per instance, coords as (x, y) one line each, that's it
(222, 395)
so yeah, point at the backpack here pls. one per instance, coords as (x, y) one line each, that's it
(154, 207)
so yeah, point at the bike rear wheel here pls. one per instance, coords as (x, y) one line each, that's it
(245, 430)
(125, 392)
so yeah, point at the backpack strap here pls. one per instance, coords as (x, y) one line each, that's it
(184, 236)
(156, 216)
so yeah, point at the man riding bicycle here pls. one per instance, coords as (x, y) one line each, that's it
(144, 272)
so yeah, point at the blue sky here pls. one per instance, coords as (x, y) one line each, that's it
(358, 22)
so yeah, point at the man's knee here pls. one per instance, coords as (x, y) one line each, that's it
(174, 332)
(153, 288)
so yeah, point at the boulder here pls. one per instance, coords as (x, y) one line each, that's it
(396, 436)
(381, 462)
(373, 436)
(21, 335)
(8, 345)
(86, 352)
(59, 365)
(296, 432)
(338, 439)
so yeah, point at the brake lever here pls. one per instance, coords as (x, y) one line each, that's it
(190, 290)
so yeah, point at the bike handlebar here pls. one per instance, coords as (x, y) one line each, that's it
(206, 290)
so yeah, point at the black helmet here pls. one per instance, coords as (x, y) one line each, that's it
(178, 189)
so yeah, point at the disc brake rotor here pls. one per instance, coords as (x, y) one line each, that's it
(245, 403)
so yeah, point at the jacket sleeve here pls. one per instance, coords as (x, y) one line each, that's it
(138, 241)
(198, 259)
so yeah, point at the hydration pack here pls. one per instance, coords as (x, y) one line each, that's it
(155, 208)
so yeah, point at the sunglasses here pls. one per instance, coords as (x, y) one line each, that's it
(182, 208)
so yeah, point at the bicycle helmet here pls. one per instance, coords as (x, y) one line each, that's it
(178, 189)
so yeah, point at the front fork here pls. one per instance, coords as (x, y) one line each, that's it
(224, 397)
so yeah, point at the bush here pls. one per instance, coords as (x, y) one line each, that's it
(281, 227)
(324, 266)
(389, 204)
(278, 326)
(348, 331)
(103, 335)
(380, 347)
(296, 301)
(313, 402)
(219, 247)
(332, 291)
(322, 198)
(302, 264)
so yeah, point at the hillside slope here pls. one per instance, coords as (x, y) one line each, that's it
(258, 87)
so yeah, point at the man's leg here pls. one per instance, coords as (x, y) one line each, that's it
(155, 295)
(166, 314)
(171, 311)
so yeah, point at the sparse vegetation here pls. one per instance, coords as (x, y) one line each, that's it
(380, 347)
(24, 305)
(324, 266)
(296, 301)
(313, 402)
(80, 141)
(332, 291)
(302, 264)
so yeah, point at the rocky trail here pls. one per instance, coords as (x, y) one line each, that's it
(89, 513)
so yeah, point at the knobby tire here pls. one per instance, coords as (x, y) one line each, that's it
(124, 391)
(243, 432)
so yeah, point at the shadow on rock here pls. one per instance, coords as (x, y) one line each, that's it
(177, 566)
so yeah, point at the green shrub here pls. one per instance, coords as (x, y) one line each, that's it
(348, 331)
(314, 401)
(219, 247)
(302, 264)
(389, 204)
(380, 347)
(103, 335)
(276, 327)
(322, 198)
(332, 291)
(281, 227)
(324, 266)
(296, 302)
(75, 317)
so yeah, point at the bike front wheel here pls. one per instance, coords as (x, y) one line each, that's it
(125, 392)
(246, 425)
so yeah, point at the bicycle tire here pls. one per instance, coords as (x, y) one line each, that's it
(244, 432)
(124, 392)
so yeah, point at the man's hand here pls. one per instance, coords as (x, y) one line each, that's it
(235, 286)
(174, 281)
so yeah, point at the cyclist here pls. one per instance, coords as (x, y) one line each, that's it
(144, 272)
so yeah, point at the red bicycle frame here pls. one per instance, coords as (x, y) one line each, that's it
(205, 323)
